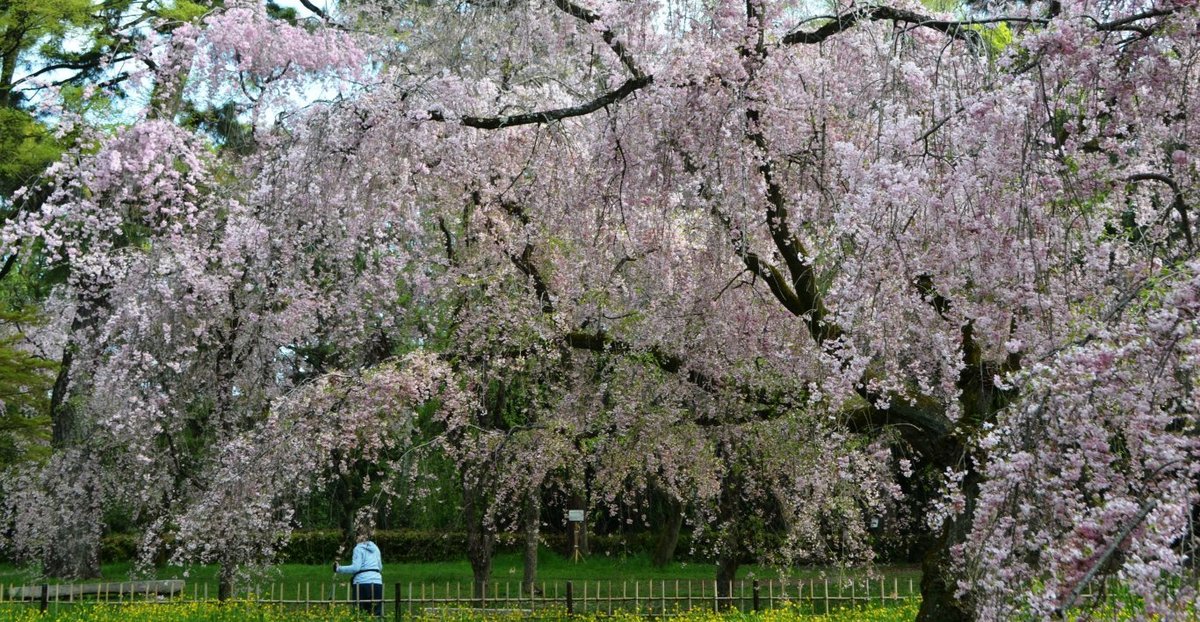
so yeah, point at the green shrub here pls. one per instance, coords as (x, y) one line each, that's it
(119, 547)
(312, 547)
(318, 546)
(406, 545)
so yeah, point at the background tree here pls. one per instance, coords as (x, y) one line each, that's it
(61, 64)
(197, 346)
(24, 383)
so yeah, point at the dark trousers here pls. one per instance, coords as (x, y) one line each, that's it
(369, 597)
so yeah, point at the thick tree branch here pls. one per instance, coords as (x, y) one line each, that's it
(9, 262)
(770, 275)
(1127, 23)
(89, 61)
(974, 382)
(957, 29)
(602, 342)
(547, 116)
(639, 80)
(447, 239)
(607, 34)
(1177, 202)
(315, 9)
(954, 29)
(924, 285)
(795, 256)
(524, 263)
(921, 425)
(516, 211)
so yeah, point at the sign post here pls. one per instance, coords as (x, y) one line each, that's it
(575, 517)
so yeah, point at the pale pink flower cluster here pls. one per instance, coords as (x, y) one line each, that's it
(732, 283)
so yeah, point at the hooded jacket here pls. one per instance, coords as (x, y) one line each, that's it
(367, 566)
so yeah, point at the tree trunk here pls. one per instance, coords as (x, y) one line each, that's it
(76, 552)
(11, 43)
(73, 556)
(481, 538)
(225, 581)
(1188, 547)
(730, 554)
(939, 576)
(73, 485)
(532, 519)
(727, 567)
(479, 552)
(668, 536)
(938, 584)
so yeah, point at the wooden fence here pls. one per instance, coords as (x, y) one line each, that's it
(656, 598)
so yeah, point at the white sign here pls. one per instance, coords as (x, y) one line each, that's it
(575, 516)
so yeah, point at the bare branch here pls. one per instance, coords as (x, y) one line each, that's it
(1127, 23)
(547, 116)
(315, 9)
(1108, 551)
(954, 29)
(957, 29)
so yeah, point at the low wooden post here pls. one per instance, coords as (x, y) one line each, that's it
(397, 602)
(45, 597)
(755, 595)
(570, 598)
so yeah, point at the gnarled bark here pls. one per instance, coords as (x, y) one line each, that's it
(481, 538)
(668, 535)
(531, 519)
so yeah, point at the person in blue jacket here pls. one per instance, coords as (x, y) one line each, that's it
(367, 571)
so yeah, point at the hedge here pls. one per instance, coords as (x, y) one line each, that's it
(316, 547)
(410, 545)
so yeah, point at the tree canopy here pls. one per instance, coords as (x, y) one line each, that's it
(764, 256)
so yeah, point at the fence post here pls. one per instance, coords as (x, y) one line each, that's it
(755, 593)
(397, 602)
(570, 598)
(45, 597)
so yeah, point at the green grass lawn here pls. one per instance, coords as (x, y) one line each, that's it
(241, 612)
(595, 579)
(505, 567)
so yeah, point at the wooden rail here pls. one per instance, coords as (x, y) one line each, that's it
(105, 591)
(659, 598)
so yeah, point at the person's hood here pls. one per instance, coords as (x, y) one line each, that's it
(370, 547)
